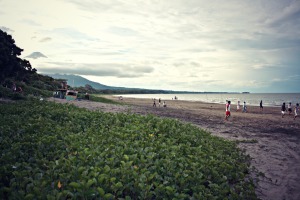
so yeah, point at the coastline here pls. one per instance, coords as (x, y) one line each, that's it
(272, 142)
(253, 99)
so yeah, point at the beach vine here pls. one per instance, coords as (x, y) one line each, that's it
(55, 151)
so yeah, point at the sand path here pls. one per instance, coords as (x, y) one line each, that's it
(272, 142)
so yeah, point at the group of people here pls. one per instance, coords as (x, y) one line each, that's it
(283, 108)
(159, 102)
(238, 105)
(289, 109)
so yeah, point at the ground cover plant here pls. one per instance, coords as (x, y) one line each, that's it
(54, 151)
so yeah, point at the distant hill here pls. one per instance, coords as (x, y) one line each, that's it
(77, 81)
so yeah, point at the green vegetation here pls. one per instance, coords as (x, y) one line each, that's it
(54, 151)
(18, 80)
(98, 98)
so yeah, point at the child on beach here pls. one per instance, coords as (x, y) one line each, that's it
(283, 109)
(244, 107)
(238, 106)
(154, 103)
(227, 113)
(290, 108)
(165, 105)
(159, 100)
(296, 110)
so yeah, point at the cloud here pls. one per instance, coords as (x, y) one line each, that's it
(123, 31)
(163, 41)
(45, 39)
(264, 66)
(290, 14)
(95, 6)
(73, 33)
(36, 55)
(5, 29)
(30, 22)
(97, 69)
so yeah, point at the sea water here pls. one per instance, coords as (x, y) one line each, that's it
(268, 99)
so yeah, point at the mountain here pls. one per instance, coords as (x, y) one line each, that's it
(77, 81)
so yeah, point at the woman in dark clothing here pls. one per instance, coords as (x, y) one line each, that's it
(283, 109)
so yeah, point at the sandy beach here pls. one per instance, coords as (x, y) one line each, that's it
(272, 142)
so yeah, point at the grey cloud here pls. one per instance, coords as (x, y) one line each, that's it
(200, 50)
(73, 33)
(45, 39)
(95, 6)
(97, 52)
(36, 55)
(5, 29)
(30, 22)
(290, 13)
(123, 31)
(98, 69)
(263, 43)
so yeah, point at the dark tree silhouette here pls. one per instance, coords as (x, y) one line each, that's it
(11, 66)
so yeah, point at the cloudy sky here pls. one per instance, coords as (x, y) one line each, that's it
(194, 45)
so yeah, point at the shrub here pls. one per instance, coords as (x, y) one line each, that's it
(54, 151)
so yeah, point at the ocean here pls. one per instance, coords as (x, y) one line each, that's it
(269, 99)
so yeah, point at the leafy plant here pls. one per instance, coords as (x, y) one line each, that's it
(54, 151)
(98, 98)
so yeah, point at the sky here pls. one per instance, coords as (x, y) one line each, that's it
(186, 45)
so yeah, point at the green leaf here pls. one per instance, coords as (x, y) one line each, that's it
(75, 185)
(100, 191)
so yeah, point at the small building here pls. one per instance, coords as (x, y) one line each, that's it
(71, 95)
(60, 93)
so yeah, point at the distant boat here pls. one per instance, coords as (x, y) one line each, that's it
(246, 92)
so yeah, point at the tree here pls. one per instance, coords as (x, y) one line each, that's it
(11, 66)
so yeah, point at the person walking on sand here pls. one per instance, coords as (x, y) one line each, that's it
(283, 109)
(238, 106)
(261, 106)
(290, 108)
(159, 101)
(227, 110)
(296, 110)
(154, 103)
(244, 107)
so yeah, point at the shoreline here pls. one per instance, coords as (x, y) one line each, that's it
(201, 102)
(253, 99)
(272, 142)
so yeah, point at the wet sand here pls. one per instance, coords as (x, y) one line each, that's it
(272, 142)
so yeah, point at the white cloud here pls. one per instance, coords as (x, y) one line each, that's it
(160, 43)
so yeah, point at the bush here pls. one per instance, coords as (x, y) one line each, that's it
(8, 93)
(54, 151)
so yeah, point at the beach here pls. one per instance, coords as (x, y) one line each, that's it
(271, 141)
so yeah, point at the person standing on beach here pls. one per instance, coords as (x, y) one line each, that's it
(154, 103)
(244, 107)
(165, 105)
(283, 109)
(159, 100)
(238, 106)
(296, 110)
(261, 106)
(227, 110)
(290, 108)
